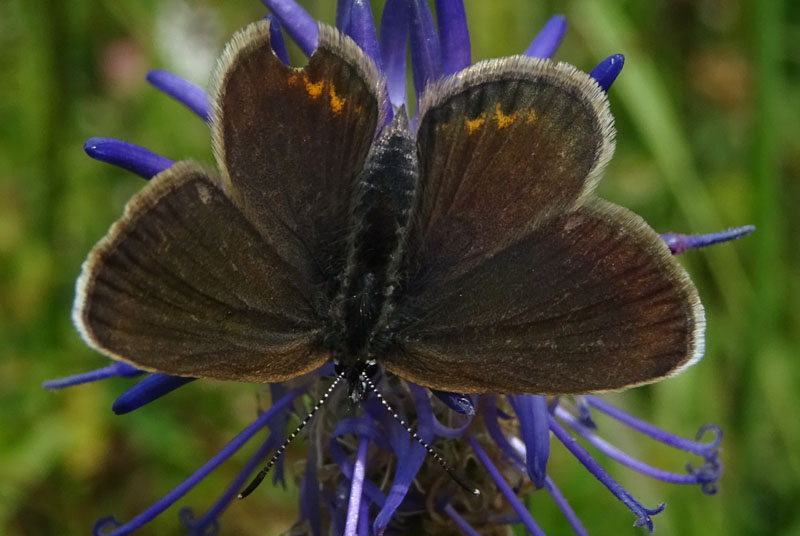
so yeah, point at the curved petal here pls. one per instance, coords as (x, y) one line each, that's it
(452, 21)
(546, 42)
(190, 95)
(300, 25)
(135, 159)
(149, 389)
(608, 70)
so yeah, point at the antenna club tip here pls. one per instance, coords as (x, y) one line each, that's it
(476, 492)
(240, 496)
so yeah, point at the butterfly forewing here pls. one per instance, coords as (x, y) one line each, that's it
(184, 284)
(502, 146)
(291, 142)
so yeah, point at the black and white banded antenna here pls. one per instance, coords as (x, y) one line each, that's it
(459, 479)
(263, 473)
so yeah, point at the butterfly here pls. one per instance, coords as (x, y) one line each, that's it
(464, 250)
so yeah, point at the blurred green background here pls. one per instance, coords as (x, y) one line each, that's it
(708, 115)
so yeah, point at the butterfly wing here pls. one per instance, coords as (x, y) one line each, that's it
(503, 145)
(291, 142)
(222, 279)
(184, 284)
(520, 281)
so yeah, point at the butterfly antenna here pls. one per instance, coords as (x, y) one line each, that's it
(459, 479)
(263, 473)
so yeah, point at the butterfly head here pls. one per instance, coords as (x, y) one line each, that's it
(357, 375)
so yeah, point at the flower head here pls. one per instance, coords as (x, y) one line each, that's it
(364, 472)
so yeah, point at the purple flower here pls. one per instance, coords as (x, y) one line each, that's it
(365, 474)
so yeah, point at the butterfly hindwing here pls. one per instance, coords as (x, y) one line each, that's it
(184, 284)
(591, 300)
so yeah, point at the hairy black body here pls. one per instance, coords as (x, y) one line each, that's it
(365, 298)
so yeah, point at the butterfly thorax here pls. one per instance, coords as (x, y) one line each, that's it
(359, 323)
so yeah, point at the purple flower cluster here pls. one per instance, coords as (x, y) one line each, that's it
(360, 469)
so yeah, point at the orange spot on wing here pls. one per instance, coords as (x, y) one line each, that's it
(474, 124)
(314, 89)
(293, 79)
(503, 120)
(530, 117)
(337, 102)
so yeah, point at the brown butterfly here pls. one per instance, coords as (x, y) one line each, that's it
(466, 254)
